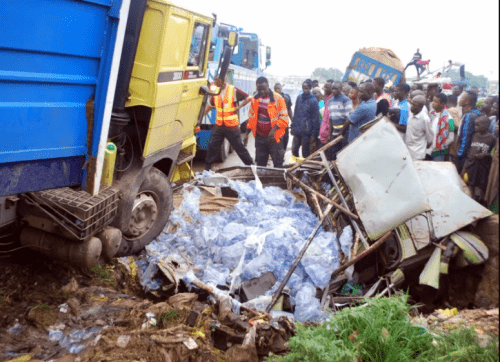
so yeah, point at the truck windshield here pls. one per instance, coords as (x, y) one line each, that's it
(198, 46)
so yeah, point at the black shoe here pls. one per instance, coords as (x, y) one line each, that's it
(207, 167)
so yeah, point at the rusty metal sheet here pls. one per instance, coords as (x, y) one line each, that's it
(451, 208)
(384, 182)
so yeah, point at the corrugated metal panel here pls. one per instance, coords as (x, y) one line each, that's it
(53, 55)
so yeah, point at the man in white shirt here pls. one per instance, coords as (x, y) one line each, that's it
(418, 135)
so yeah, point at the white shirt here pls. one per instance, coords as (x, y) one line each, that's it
(418, 134)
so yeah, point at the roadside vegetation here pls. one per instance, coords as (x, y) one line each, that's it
(382, 332)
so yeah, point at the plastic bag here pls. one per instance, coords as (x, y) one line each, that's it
(212, 275)
(307, 306)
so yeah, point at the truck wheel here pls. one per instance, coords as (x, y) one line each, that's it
(224, 150)
(150, 213)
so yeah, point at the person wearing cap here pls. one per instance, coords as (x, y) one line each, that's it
(419, 134)
(227, 124)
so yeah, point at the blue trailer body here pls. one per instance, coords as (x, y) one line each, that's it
(363, 67)
(56, 57)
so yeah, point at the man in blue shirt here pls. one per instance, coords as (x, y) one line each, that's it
(337, 110)
(401, 94)
(470, 113)
(364, 113)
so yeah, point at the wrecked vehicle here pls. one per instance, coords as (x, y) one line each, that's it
(385, 222)
(241, 261)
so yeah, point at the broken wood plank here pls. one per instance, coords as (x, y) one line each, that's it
(353, 261)
(321, 196)
(314, 154)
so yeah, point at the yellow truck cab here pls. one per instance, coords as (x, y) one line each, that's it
(122, 90)
(169, 69)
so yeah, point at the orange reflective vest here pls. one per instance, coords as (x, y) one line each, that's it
(226, 109)
(277, 113)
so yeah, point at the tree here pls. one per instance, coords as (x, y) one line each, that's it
(329, 73)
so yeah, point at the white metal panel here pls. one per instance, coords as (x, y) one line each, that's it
(451, 208)
(385, 184)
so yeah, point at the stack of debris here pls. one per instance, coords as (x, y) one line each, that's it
(379, 219)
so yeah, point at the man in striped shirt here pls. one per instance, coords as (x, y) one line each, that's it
(337, 109)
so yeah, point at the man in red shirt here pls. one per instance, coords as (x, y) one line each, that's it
(268, 120)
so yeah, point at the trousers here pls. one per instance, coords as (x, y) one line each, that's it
(304, 141)
(233, 135)
(265, 148)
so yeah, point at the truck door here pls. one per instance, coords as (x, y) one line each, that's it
(194, 76)
(168, 72)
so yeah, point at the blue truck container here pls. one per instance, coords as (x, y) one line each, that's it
(56, 57)
(370, 63)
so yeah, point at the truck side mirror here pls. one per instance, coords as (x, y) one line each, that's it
(268, 56)
(205, 91)
(232, 39)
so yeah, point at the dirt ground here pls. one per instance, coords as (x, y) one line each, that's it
(105, 309)
(48, 309)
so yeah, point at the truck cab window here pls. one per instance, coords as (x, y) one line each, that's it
(198, 46)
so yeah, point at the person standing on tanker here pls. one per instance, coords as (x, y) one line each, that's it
(227, 124)
(305, 124)
(415, 61)
(418, 135)
(279, 89)
(268, 120)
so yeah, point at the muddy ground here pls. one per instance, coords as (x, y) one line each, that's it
(106, 311)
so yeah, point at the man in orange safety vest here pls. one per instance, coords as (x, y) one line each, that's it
(227, 124)
(268, 120)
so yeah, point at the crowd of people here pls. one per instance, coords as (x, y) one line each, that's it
(434, 126)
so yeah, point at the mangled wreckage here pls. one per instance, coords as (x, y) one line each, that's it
(321, 234)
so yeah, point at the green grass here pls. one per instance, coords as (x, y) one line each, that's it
(103, 273)
(170, 314)
(385, 334)
(42, 306)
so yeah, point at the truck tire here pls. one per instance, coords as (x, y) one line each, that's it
(151, 211)
(224, 150)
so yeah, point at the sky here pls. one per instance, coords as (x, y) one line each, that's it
(304, 35)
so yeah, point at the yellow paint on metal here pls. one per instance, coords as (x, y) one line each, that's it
(108, 167)
(184, 171)
(474, 251)
(157, 78)
(133, 266)
(25, 358)
(430, 274)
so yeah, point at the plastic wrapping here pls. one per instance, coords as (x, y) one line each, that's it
(307, 306)
(265, 231)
